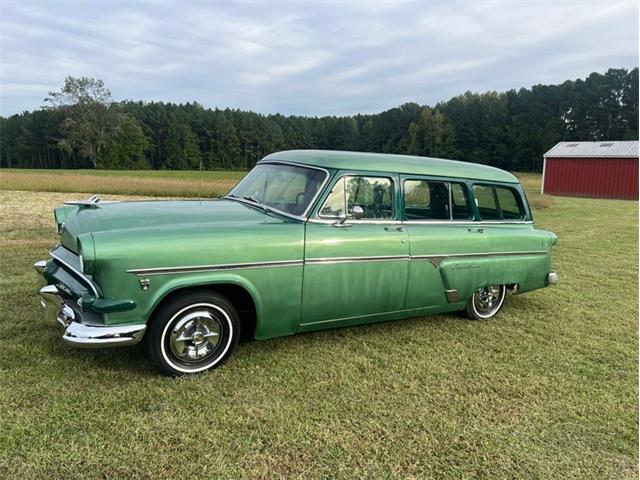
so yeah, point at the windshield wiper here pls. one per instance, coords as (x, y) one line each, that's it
(254, 201)
(248, 198)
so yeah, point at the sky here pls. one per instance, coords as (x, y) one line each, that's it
(307, 58)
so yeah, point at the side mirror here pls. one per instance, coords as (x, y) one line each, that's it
(357, 212)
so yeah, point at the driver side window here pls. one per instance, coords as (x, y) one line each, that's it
(373, 194)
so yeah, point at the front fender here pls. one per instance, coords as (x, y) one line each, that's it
(199, 280)
(275, 292)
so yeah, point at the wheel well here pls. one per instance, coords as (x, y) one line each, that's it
(237, 295)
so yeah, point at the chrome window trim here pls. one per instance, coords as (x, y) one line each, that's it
(468, 222)
(304, 215)
(425, 222)
(354, 222)
(436, 259)
(77, 272)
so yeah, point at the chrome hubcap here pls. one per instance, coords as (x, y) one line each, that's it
(195, 336)
(487, 299)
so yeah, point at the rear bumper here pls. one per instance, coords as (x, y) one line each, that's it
(82, 334)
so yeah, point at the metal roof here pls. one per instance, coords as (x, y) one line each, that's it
(622, 149)
(388, 163)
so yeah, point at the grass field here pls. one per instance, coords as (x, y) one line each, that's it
(548, 389)
(157, 183)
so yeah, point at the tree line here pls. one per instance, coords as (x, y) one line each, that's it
(81, 127)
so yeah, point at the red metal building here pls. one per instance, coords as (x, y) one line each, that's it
(592, 169)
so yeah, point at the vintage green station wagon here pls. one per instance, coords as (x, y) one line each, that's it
(308, 240)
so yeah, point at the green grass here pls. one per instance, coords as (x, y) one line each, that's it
(548, 389)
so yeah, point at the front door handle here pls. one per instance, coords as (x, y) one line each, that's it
(476, 230)
(397, 229)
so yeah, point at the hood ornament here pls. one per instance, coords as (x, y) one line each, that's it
(92, 202)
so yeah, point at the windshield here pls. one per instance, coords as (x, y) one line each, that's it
(287, 188)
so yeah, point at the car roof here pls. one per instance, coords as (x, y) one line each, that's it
(388, 163)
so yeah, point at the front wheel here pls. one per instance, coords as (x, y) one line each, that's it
(486, 302)
(192, 333)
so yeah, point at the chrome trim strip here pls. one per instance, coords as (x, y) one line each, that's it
(213, 268)
(436, 259)
(382, 258)
(77, 272)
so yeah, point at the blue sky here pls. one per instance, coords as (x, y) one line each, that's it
(307, 58)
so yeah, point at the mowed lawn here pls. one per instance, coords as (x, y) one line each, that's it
(548, 389)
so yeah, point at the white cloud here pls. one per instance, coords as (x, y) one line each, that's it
(307, 58)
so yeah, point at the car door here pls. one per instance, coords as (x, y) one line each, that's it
(445, 243)
(356, 261)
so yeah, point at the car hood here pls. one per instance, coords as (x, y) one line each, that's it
(165, 214)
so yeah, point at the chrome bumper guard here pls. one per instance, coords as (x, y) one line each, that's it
(552, 278)
(84, 335)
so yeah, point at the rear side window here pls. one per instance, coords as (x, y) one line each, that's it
(498, 203)
(434, 200)
(426, 200)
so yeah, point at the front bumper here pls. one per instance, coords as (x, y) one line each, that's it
(81, 334)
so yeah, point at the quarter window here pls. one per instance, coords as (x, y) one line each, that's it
(509, 205)
(498, 203)
(335, 203)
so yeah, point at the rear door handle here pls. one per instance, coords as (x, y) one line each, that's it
(397, 229)
(476, 230)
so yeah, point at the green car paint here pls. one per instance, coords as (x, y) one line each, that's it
(302, 272)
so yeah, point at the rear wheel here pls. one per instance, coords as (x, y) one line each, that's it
(486, 302)
(192, 333)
